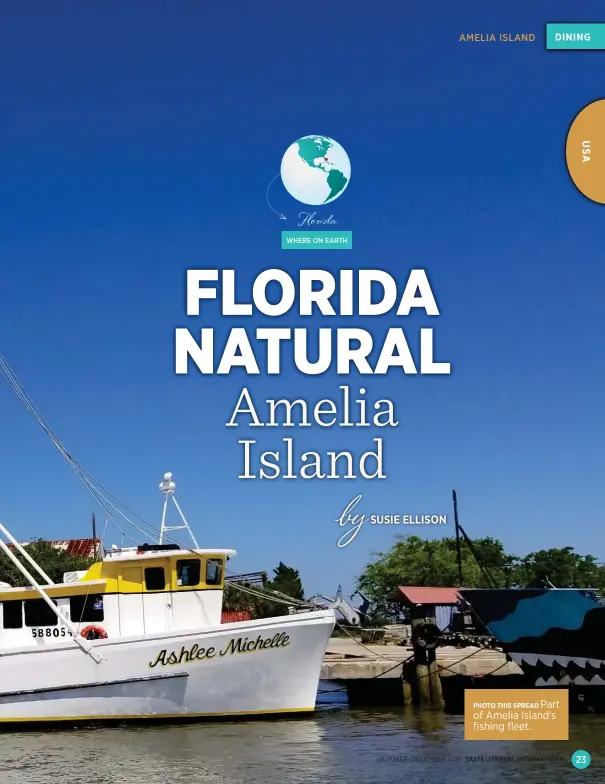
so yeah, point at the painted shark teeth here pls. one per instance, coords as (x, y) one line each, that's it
(549, 660)
(567, 681)
(533, 659)
(549, 682)
(563, 661)
(580, 661)
(596, 663)
(527, 658)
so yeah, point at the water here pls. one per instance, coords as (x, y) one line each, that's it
(336, 745)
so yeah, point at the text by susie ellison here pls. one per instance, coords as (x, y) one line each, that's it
(275, 293)
(354, 522)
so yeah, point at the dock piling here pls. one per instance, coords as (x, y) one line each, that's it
(424, 686)
(435, 683)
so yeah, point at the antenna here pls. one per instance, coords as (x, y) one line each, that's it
(167, 487)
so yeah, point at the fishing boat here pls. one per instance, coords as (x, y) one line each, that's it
(138, 635)
(555, 635)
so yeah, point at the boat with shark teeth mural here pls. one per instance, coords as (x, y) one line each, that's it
(555, 635)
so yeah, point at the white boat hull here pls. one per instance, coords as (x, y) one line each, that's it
(250, 668)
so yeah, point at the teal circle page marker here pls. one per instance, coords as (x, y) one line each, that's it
(580, 759)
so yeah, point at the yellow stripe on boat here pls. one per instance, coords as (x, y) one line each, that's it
(137, 717)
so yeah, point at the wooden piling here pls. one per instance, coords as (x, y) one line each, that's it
(420, 660)
(427, 671)
(424, 686)
(435, 684)
(407, 692)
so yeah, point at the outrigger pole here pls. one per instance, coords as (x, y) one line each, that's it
(80, 641)
(26, 555)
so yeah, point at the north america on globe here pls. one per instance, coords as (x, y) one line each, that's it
(315, 170)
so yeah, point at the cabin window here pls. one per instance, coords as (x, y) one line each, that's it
(188, 573)
(86, 609)
(214, 571)
(155, 579)
(38, 613)
(13, 615)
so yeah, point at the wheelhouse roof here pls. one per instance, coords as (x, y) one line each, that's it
(135, 554)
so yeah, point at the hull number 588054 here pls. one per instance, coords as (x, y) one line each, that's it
(47, 631)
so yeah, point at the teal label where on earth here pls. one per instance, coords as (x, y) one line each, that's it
(575, 36)
(316, 240)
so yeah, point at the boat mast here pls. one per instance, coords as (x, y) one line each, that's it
(458, 551)
(80, 641)
(460, 530)
(167, 487)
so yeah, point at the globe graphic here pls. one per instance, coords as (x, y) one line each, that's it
(315, 170)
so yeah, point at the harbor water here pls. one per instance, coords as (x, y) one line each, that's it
(338, 744)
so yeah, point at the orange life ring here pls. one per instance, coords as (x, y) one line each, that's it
(93, 633)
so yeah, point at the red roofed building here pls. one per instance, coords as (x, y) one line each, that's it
(83, 548)
(430, 602)
(416, 594)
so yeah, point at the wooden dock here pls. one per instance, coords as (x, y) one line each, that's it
(386, 674)
(346, 660)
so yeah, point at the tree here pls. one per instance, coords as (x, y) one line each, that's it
(416, 561)
(562, 567)
(53, 561)
(286, 580)
(237, 599)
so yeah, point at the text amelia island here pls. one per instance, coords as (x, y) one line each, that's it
(276, 293)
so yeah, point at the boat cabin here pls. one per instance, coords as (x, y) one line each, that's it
(131, 592)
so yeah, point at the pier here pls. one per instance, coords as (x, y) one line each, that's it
(386, 675)
(346, 660)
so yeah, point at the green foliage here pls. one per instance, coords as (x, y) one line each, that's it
(54, 562)
(285, 580)
(237, 600)
(563, 567)
(416, 561)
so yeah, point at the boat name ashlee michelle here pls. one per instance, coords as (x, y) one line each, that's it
(238, 645)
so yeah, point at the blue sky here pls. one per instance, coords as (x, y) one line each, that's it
(138, 141)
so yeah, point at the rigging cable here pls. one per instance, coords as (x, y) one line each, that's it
(105, 498)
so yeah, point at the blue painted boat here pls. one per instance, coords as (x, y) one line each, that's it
(556, 635)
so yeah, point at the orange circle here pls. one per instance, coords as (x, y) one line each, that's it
(585, 151)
